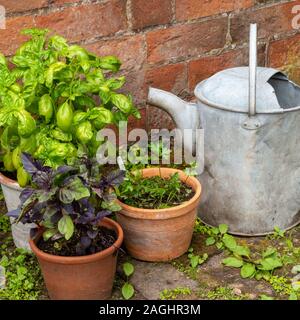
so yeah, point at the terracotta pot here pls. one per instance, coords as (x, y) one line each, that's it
(162, 234)
(11, 191)
(88, 277)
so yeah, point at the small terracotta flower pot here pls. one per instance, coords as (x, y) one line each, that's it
(161, 234)
(87, 277)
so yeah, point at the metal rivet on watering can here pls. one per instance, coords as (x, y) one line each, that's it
(250, 116)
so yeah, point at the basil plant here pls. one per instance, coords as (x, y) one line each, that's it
(68, 202)
(54, 97)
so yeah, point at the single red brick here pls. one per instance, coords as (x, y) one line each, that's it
(271, 20)
(149, 13)
(204, 68)
(10, 38)
(284, 55)
(21, 5)
(184, 41)
(171, 78)
(193, 9)
(86, 21)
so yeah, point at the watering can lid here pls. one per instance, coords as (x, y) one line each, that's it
(229, 90)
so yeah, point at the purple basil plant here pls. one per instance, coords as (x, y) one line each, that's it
(68, 201)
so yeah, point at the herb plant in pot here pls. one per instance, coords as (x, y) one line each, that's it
(54, 97)
(159, 208)
(76, 245)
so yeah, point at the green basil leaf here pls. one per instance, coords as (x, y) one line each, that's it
(66, 226)
(49, 234)
(74, 190)
(49, 73)
(26, 124)
(109, 63)
(122, 102)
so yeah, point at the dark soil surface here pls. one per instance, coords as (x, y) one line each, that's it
(105, 239)
(147, 200)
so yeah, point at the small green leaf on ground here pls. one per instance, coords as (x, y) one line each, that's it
(127, 290)
(247, 270)
(223, 228)
(128, 269)
(233, 262)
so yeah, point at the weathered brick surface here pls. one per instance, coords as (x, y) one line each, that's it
(147, 13)
(169, 44)
(284, 55)
(86, 21)
(61, 2)
(159, 119)
(203, 68)
(129, 49)
(193, 9)
(271, 20)
(171, 77)
(22, 5)
(10, 38)
(134, 123)
(184, 41)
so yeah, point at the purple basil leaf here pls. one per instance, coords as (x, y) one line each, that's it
(29, 164)
(92, 233)
(115, 178)
(63, 169)
(14, 213)
(68, 208)
(85, 202)
(100, 215)
(26, 194)
(85, 242)
(42, 179)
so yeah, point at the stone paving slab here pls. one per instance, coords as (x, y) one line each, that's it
(152, 278)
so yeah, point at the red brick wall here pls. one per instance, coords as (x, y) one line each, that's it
(169, 44)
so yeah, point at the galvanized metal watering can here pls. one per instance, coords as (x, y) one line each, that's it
(251, 121)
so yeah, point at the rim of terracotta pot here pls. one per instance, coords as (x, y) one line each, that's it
(9, 182)
(87, 258)
(172, 212)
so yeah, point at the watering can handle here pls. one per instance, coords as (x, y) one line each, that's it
(252, 69)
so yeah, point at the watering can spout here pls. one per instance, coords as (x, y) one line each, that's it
(184, 114)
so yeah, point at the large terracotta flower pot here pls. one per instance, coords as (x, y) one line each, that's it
(162, 234)
(11, 191)
(87, 277)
